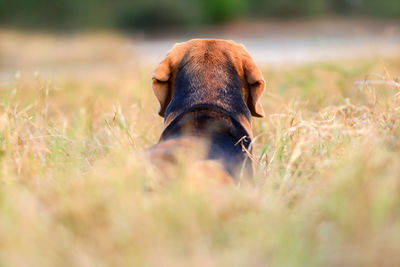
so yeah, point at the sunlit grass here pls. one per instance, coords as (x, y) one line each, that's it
(76, 189)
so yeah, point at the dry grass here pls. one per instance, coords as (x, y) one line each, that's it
(74, 187)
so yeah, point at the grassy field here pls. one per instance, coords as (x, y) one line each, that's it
(75, 190)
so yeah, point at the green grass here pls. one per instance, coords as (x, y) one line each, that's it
(75, 189)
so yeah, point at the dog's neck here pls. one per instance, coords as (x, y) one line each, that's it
(206, 121)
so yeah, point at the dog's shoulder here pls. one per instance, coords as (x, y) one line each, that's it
(187, 153)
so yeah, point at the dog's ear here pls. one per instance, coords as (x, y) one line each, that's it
(162, 82)
(255, 85)
(162, 85)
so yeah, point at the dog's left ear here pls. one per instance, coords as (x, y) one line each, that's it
(255, 84)
(162, 85)
(162, 77)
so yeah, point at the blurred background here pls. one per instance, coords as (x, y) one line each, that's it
(275, 32)
(146, 15)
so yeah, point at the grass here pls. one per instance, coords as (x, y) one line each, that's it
(75, 188)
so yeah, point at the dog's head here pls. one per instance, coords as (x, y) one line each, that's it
(209, 71)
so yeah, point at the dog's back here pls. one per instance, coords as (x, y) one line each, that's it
(225, 138)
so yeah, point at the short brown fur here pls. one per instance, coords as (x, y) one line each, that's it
(217, 51)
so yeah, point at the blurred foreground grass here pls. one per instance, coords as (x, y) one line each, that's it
(75, 189)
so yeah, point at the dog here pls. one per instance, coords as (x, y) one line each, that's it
(208, 90)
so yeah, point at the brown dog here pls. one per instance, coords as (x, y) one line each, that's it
(208, 89)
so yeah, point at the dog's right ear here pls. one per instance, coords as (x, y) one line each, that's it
(255, 83)
(162, 85)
